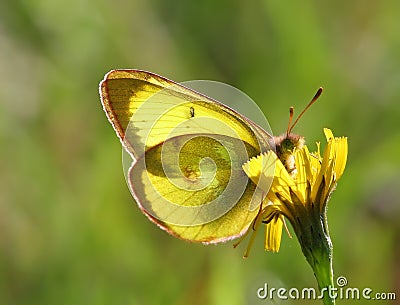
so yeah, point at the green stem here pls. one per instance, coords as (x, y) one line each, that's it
(311, 229)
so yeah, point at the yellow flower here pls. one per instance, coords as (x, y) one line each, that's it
(300, 196)
(300, 192)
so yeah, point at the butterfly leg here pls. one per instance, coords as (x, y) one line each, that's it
(254, 226)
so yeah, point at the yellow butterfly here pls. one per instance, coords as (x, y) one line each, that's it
(188, 151)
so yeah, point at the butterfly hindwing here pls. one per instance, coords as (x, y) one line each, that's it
(195, 188)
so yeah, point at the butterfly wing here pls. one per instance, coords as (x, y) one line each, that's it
(193, 186)
(173, 132)
(145, 109)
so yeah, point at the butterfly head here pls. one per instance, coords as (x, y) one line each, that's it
(286, 145)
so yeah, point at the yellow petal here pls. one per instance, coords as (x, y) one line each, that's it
(315, 161)
(282, 182)
(324, 167)
(261, 169)
(329, 178)
(318, 153)
(273, 234)
(303, 170)
(328, 134)
(341, 156)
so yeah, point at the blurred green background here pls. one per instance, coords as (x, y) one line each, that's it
(70, 233)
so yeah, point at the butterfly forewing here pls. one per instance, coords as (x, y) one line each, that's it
(145, 109)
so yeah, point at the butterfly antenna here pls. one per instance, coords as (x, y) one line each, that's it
(291, 112)
(314, 99)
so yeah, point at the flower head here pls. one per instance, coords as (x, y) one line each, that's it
(302, 185)
(294, 195)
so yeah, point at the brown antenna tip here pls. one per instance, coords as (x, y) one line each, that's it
(317, 95)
